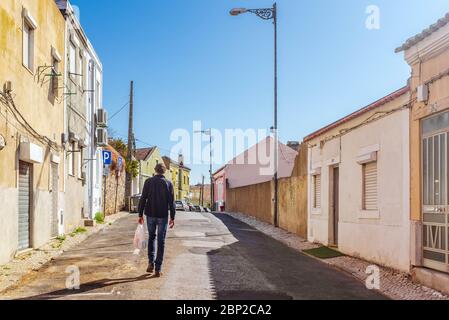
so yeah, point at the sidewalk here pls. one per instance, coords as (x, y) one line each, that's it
(394, 284)
(31, 261)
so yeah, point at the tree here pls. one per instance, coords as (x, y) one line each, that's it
(132, 167)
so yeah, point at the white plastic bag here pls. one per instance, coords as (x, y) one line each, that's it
(139, 239)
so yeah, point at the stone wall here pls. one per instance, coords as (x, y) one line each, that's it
(114, 195)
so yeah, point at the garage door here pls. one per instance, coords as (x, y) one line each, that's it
(24, 205)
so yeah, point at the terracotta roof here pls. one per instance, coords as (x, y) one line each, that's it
(168, 161)
(143, 154)
(353, 115)
(424, 34)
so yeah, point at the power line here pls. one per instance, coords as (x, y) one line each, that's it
(120, 110)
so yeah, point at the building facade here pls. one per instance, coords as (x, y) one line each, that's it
(428, 56)
(83, 100)
(220, 189)
(200, 194)
(358, 194)
(31, 124)
(179, 175)
(148, 159)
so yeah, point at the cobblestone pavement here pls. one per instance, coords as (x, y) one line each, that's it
(394, 284)
(31, 261)
(208, 256)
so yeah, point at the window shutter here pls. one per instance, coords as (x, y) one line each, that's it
(370, 186)
(26, 45)
(317, 192)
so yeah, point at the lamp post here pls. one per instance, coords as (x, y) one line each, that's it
(209, 133)
(270, 14)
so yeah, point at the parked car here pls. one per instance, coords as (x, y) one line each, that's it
(134, 206)
(196, 208)
(181, 206)
(191, 206)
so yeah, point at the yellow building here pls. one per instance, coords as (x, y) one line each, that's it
(148, 159)
(179, 175)
(428, 56)
(31, 123)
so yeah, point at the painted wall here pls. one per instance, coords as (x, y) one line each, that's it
(257, 200)
(147, 167)
(41, 109)
(381, 236)
(427, 59)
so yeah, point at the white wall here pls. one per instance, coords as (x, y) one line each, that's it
(384, 236)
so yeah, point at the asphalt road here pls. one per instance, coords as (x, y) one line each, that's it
(208, 256)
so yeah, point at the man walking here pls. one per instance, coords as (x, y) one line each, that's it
(156, 201)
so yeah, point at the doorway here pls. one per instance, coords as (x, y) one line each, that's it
(25, 173)
(54, 199)
(335, 205)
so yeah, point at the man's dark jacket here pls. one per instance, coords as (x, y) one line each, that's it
(157, 198)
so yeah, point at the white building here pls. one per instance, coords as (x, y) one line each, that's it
(83, 99)
(359, 179)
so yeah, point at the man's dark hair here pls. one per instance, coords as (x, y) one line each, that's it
(160, 169)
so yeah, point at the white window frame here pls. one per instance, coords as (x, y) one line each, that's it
(315, 208)
(72, 60)
(80, 163)
(366, 156)
(71, 160)
(28, 23)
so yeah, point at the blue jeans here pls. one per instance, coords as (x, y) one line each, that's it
(161, 224)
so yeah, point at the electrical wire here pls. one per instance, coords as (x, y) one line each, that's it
(10, 104)
(120, 110)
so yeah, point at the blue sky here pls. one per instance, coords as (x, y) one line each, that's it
(190, 60)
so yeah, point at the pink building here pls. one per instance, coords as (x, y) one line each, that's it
(220, 189)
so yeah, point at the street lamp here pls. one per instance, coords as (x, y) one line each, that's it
(270, 14)
(208, 132)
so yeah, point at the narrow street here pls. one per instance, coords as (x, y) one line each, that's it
(208, 256)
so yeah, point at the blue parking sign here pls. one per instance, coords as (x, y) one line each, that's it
(107, 158)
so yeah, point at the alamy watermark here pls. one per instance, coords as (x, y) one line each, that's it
(196, 146)
(373, 20)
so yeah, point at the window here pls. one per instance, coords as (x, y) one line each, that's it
(80, 70)
(28, 45)
(72, 60)
(54, 78)
(71, 160)
(370, 186)
(317, 191)
(80, 164)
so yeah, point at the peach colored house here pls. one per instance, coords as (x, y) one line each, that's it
(428, 56)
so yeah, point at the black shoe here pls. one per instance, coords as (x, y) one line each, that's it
(158, 274)
(150, 268)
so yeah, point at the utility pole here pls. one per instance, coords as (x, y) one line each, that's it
(202, 192)
(129, 156)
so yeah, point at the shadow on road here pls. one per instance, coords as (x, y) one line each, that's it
(257, 267)
(88, 287)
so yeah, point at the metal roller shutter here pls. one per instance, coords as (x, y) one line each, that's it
(370, 186)
(317, 192)
(24, 205)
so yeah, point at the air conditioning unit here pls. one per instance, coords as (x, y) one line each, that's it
(102, 118)
(423, 93)
(102, 137)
